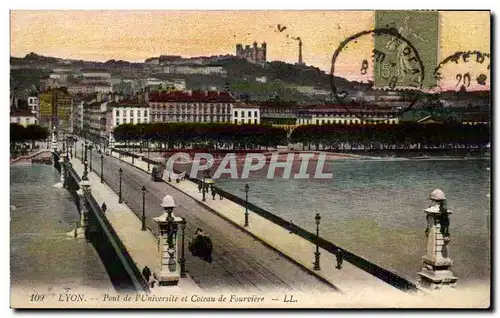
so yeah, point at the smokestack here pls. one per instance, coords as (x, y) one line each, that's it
(301, 62)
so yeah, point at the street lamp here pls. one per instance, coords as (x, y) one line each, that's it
(90, 151)
(120, 171)
(86, 146)
(203, 186)
(143, 208)
(67, 149)
(317, 253)
(82, 151)
(102, 163)
(183, 259)
(247, 188)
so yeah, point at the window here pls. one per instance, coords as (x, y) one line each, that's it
(255, 114)
(255, 121)
(138, 113)
(235, 113)
(242, 114)
(117, 122)
(249, 113)
(117, 113)
(131, 113)
(145, 113)
(242, 121)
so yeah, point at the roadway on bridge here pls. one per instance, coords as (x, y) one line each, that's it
(240, 262)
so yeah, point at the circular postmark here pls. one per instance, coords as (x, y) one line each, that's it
(464, 71)
(383, 67)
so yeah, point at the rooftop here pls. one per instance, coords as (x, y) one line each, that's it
(21, 113)
(128, 103)
(194, 96)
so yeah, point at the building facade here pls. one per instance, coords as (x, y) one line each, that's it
(56, 106)
(34, 105)
(23, 118)
(245, 114)
(335, 114)
(191, 107)
(252, 54)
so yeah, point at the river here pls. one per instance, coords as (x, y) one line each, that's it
(41, 252)
(374, 209)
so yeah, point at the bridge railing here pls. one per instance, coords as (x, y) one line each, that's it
(128, 263)
(133, 272)
(358, 261)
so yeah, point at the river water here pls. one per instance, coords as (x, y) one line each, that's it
(374, 209)
(41, 252)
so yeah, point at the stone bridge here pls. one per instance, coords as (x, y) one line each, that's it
(95, 228)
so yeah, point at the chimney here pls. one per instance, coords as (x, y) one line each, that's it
(301, 62)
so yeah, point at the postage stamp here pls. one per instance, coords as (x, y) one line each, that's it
(289, 159)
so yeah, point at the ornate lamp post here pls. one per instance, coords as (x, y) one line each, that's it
(90, 151)
(82, 151)
(143, 228)
(67, 148)
(247, 188)
(317, 253)
(183, 259)
(120, 171)
(86, 146)
(85, 169)
(168, 223)
(102, 166)
(203, 187)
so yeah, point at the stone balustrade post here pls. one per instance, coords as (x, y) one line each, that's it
(436, 272)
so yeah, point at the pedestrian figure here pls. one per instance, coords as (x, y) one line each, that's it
(338, 255)
(146, 272)
(153, 281)
(200, 186)
(104, 207)
(177, 180)
(213, 193)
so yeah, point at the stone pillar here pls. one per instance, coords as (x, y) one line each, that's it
(169, 271)
(111, 143)
(54, 139)
(436, 272)
(61, 163)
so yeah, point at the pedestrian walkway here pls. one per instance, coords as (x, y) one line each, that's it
(142, 246)
(350, 279)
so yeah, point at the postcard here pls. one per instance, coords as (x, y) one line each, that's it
(250, 159)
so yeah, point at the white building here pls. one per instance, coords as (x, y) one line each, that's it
(245, 114)
(34, 105)
(23, 118)
(325, 114)
(203, 70)
(126, 112)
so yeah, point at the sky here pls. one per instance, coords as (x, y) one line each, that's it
(137, 35)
